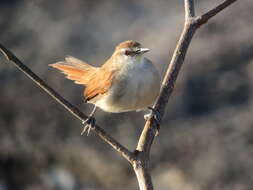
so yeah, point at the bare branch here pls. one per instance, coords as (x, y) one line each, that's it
(72, 109)
(205, 17)
(169, 80)
(148, 134)
(149, 131)
(189, 9)
(143, 177)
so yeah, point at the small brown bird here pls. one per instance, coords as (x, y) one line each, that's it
(127, 81)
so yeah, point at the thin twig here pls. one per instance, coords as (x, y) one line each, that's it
(167, 88)
(71, 108)
(207, 16)
(148, 134)
(189, 9)
(169, 80)
(172, 73)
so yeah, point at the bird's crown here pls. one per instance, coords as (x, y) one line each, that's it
(128, 44)
(130, 48)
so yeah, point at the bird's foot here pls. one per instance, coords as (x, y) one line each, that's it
(89, 124)
(153, 113)
(157, 118)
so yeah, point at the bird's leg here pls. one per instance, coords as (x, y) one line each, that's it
(89, 122)
(157, 116)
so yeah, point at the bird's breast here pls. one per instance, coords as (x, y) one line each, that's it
(135, 87)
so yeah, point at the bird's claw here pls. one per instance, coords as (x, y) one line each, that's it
(89, 123)
(153, 113)
(157, 117)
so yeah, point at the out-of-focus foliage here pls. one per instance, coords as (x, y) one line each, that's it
(206, 140)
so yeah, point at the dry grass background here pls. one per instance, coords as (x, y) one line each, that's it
(206, 140)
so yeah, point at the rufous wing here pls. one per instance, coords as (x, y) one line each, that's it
(99, 84)
(96, 79)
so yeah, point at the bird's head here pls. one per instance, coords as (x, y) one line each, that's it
(130, 50)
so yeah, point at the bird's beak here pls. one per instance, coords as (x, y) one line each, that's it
(144, 50)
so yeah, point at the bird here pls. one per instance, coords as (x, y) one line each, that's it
(127, 81)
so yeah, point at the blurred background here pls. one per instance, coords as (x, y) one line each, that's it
(206, 139)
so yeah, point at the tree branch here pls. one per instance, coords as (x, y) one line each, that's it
(189, 9)
(205, 17)
(143, 177)
(72, 109)
(169, 80)
(148, 134)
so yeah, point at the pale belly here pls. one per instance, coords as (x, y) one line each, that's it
(133, 92)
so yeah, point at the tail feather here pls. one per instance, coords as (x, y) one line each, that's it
(75, 69)
(72, 61)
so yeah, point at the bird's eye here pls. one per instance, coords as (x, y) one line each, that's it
(127, 52)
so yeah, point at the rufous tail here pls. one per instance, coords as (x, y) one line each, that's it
(75, 69)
